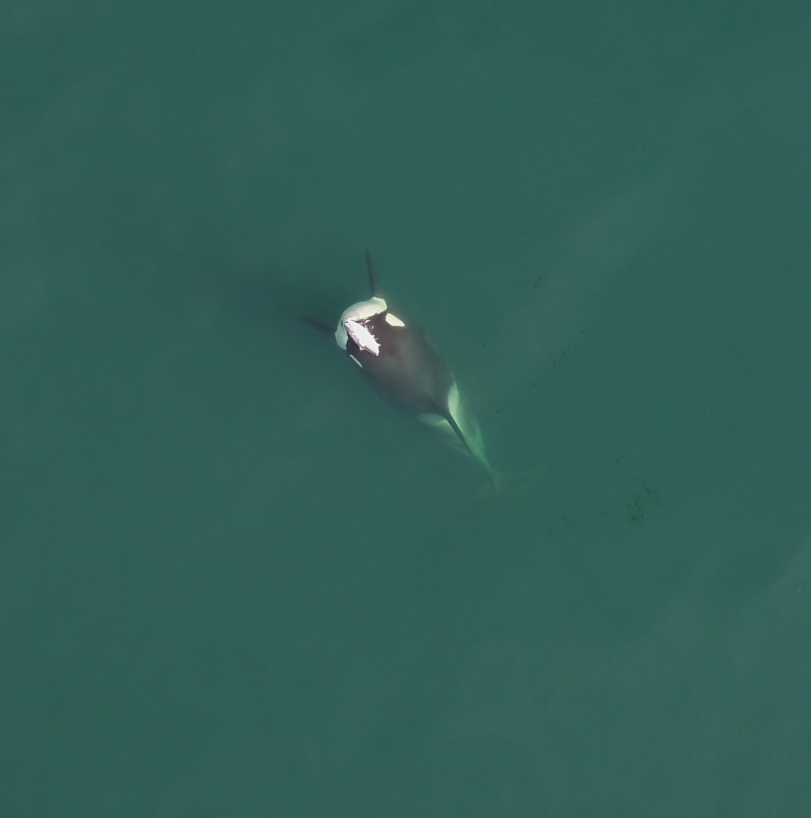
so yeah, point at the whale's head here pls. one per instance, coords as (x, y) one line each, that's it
(356, 323)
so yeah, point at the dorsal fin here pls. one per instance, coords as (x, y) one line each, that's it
(495, 478)
(374, 284)
(455, 426)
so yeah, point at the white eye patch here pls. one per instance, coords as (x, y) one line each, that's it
(393, 320)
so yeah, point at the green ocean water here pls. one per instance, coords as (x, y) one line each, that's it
(233, 582)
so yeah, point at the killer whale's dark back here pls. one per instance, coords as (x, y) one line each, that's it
(407, 371)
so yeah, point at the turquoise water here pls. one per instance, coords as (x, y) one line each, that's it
(233, 582)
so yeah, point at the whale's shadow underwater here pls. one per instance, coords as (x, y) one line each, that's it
(401, 365)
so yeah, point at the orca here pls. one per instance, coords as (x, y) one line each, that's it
(400, 363)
